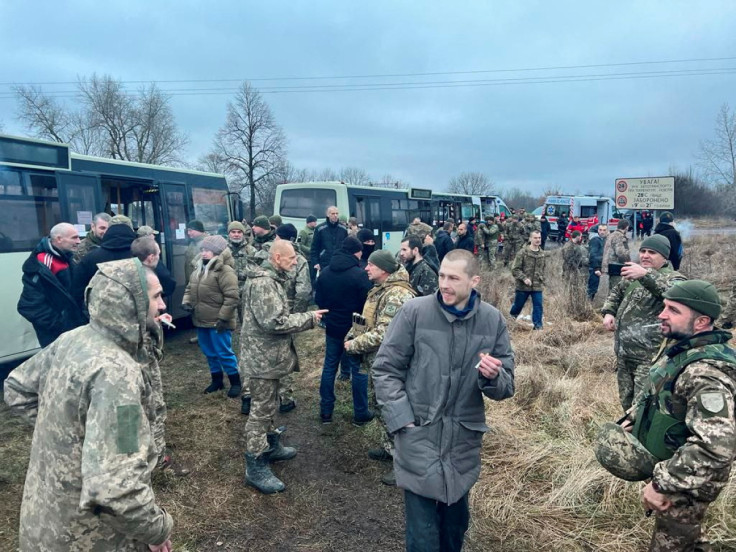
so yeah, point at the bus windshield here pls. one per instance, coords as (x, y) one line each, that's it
(302, 202)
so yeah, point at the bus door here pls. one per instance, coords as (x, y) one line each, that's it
(80, 197)
(174, 239)
(368, 213)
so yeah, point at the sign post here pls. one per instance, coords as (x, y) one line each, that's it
(657, 192)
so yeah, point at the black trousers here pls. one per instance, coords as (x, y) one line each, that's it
(433, 526)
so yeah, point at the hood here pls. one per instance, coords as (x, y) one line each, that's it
(265, 237)
(342, 261)
(226, 257)
(663, 228)
(117, 300)
(401, 275)
(118, 237)
(265, 270)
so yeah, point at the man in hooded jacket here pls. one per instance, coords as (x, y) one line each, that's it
(93, 397)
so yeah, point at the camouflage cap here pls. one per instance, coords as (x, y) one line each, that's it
(699, 295)
(121, 219)
(622, 454)
(146, 231)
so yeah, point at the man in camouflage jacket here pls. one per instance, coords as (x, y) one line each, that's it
(418, 228)
(95, 398)
(97, 230)
(266, 355)
(422, 277)
(692, 387)
(616, 250)
(631, 311)
(528, 271)
(728, 316)
(491, 231)
(391, 291)
(574, 259)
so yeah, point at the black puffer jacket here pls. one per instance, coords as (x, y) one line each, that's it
(443, 244)
(46, 301)
(342, 288)
(466, 242)
(669, 232)
(115, 246)
(327, 240)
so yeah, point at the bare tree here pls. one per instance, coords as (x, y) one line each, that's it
(108, 121)
(251, 141)
(717, 157)
(472, 183)
(354, 176)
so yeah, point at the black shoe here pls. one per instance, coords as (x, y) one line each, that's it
(325, 418)
(380, 454)
(235, 386)
(287, 406)
(216, 384)
(389, 479)
(360, 422)
(245, 407)
(343, 377)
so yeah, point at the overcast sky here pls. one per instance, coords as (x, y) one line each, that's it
(578, 135)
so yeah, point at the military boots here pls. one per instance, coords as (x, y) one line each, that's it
(216, 384)
(278, 451)
(259, 475)
(235, 386)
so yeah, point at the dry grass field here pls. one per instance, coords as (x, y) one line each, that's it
(540, 486)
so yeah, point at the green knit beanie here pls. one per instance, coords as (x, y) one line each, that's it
(657, 243)
(384, 260)
(699, 295)
(262, 222)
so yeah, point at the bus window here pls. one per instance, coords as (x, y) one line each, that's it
(210, 206)
(177, 212)
(26, 217)
(80, 198)
(302, 202)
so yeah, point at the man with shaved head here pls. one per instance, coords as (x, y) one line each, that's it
(441, 354)
(46, 300)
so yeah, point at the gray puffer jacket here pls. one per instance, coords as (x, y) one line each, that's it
(425, 374)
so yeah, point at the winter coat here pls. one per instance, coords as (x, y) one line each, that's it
(419, 229)
(167, 281)
(443, 243)
(327, 240)
(545, 228)
(616, 250)
(429, 252)
(46, 300)
(267, 350)
(422, 278)
(89, 243)
(93, 397)
(213, 292)
(306, 235)
(669, 232)
(595, 252)
(529, 264)
(342, 288)
(636, 305)
(115, 246)
(298, 283)
(466, 242)
(425, 374)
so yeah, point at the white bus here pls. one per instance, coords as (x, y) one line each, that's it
(44, 183)
(385, 211)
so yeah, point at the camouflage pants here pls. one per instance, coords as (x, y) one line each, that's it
(286, 388)
(632, 376)
(263, 408)
(387, 439)
(510, 249)
(678, 528)
(491, 249)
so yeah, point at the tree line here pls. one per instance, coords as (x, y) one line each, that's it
(250, 148)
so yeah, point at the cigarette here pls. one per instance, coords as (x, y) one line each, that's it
(166, 320)
(169, 324)
(651, 325)
(477, 366)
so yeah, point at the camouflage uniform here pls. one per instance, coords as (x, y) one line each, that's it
(574, 260)
(693, 383)
(266, 348)
(241, 252)
(492, 231)
(306, 235)
(728, 316)
(381, 305)
(88, 485)
(422, 278)
(616, 250)
(89, 243)
(419, 229)
(479, 239)
(636, 305)
(514, 239)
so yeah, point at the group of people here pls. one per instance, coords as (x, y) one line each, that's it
(413, 323)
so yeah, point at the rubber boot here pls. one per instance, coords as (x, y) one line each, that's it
(235, 386)
(216, 384)
(245, 407)
(259, 475)
(277, 450)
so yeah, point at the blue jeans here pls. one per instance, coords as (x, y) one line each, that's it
(334, 355)
(593, 281)
(218, 348)
(433, 526)
(537, 307)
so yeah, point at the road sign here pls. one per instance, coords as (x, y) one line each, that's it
(656, 192)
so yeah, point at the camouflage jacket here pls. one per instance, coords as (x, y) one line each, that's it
(89, 243)
(260, 241)
(574, 257)
(298, 284)
(306, 235)
(636, 305)
(422, 278)
(266, 348)
(88, 485)
(241, 253)
(728, 316)
(616, 250)
(515, 231)
(479, 237)
(492, 232)
(703, 396)
(420, 230)
(529, 264)
(381, 305)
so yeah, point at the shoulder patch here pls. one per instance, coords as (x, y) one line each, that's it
(391, 309)
(127, 435)
(713, 402)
